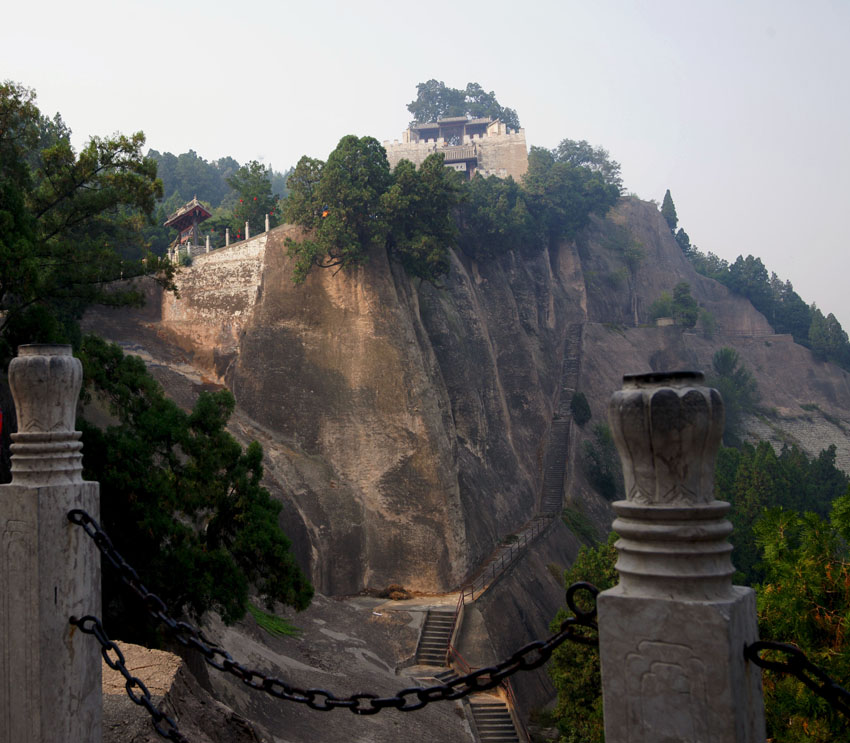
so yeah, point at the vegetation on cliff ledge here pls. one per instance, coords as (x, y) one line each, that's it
(353, 204)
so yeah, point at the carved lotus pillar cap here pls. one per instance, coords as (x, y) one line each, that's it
(45, 380)
(673, 533)
(667, 428)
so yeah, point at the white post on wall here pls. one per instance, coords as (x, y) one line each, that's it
(267, 222)
(672, 632)
(247, 230)
(50, 687)
(208, 244)
(226, 236)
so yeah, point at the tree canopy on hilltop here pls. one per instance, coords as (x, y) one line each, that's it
(596, 159)
(436, 101)
(563, 195)
(354, 205)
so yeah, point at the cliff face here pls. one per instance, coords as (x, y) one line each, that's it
(404, 425)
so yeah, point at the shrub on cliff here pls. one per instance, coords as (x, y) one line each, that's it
(602, 463)
(182, 501)
(494, 218)
(580, 408)
(562, 195)
(354, 205)
(737, 387)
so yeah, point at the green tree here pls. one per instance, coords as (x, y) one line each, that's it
(737, 387)
(790, 313)
(685, 308)
(436, 101)
(755, 478)
(66, 219)
(827, 338)
(341, 202)
(749, 278)
(580, 408)
(182, 500)
(353, 205)
(805, 600)
(596, 159)
(602, 463)
(668, 211)
(494, 218)
(684, 241)
(256, 200)
(661, 307)
(575, 669)
(561, 195)
(419, 207)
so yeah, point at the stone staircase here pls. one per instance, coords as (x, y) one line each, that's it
(446, 676)
(555, 459)
(435, 637)
(493, 721)
(555, 466)
(570, 369)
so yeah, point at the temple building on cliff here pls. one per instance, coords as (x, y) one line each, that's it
(186, 220)
(482, 146)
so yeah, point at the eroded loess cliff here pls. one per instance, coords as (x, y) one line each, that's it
(404, 424)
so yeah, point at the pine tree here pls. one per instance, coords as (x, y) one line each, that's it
(668, 211)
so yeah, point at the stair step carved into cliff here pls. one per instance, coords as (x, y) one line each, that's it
(493, 721)
(555, 466)
(435, 637)
(557, 448)
(571, 368)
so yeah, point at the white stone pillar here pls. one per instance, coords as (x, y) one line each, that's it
(208, 244)
(226, 236)
(267, 222)
(672, 632)
(247, 230)
(50, 688)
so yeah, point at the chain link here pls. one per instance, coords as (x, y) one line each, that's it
(797, 664)
(114, 658)
(530, 656)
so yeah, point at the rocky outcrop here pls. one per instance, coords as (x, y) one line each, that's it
(404, 424)
(174, 691)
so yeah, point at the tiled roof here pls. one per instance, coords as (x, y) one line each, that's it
(185, 209)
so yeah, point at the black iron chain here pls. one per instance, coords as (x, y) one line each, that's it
(114, 658)
(531, 656)
(797, 664)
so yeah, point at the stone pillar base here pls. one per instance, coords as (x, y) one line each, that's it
(674, 671)
(50, 690)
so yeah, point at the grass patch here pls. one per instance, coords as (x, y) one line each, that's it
(276, 626)
(580, 525)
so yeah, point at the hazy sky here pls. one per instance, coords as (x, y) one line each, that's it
(741, 108)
